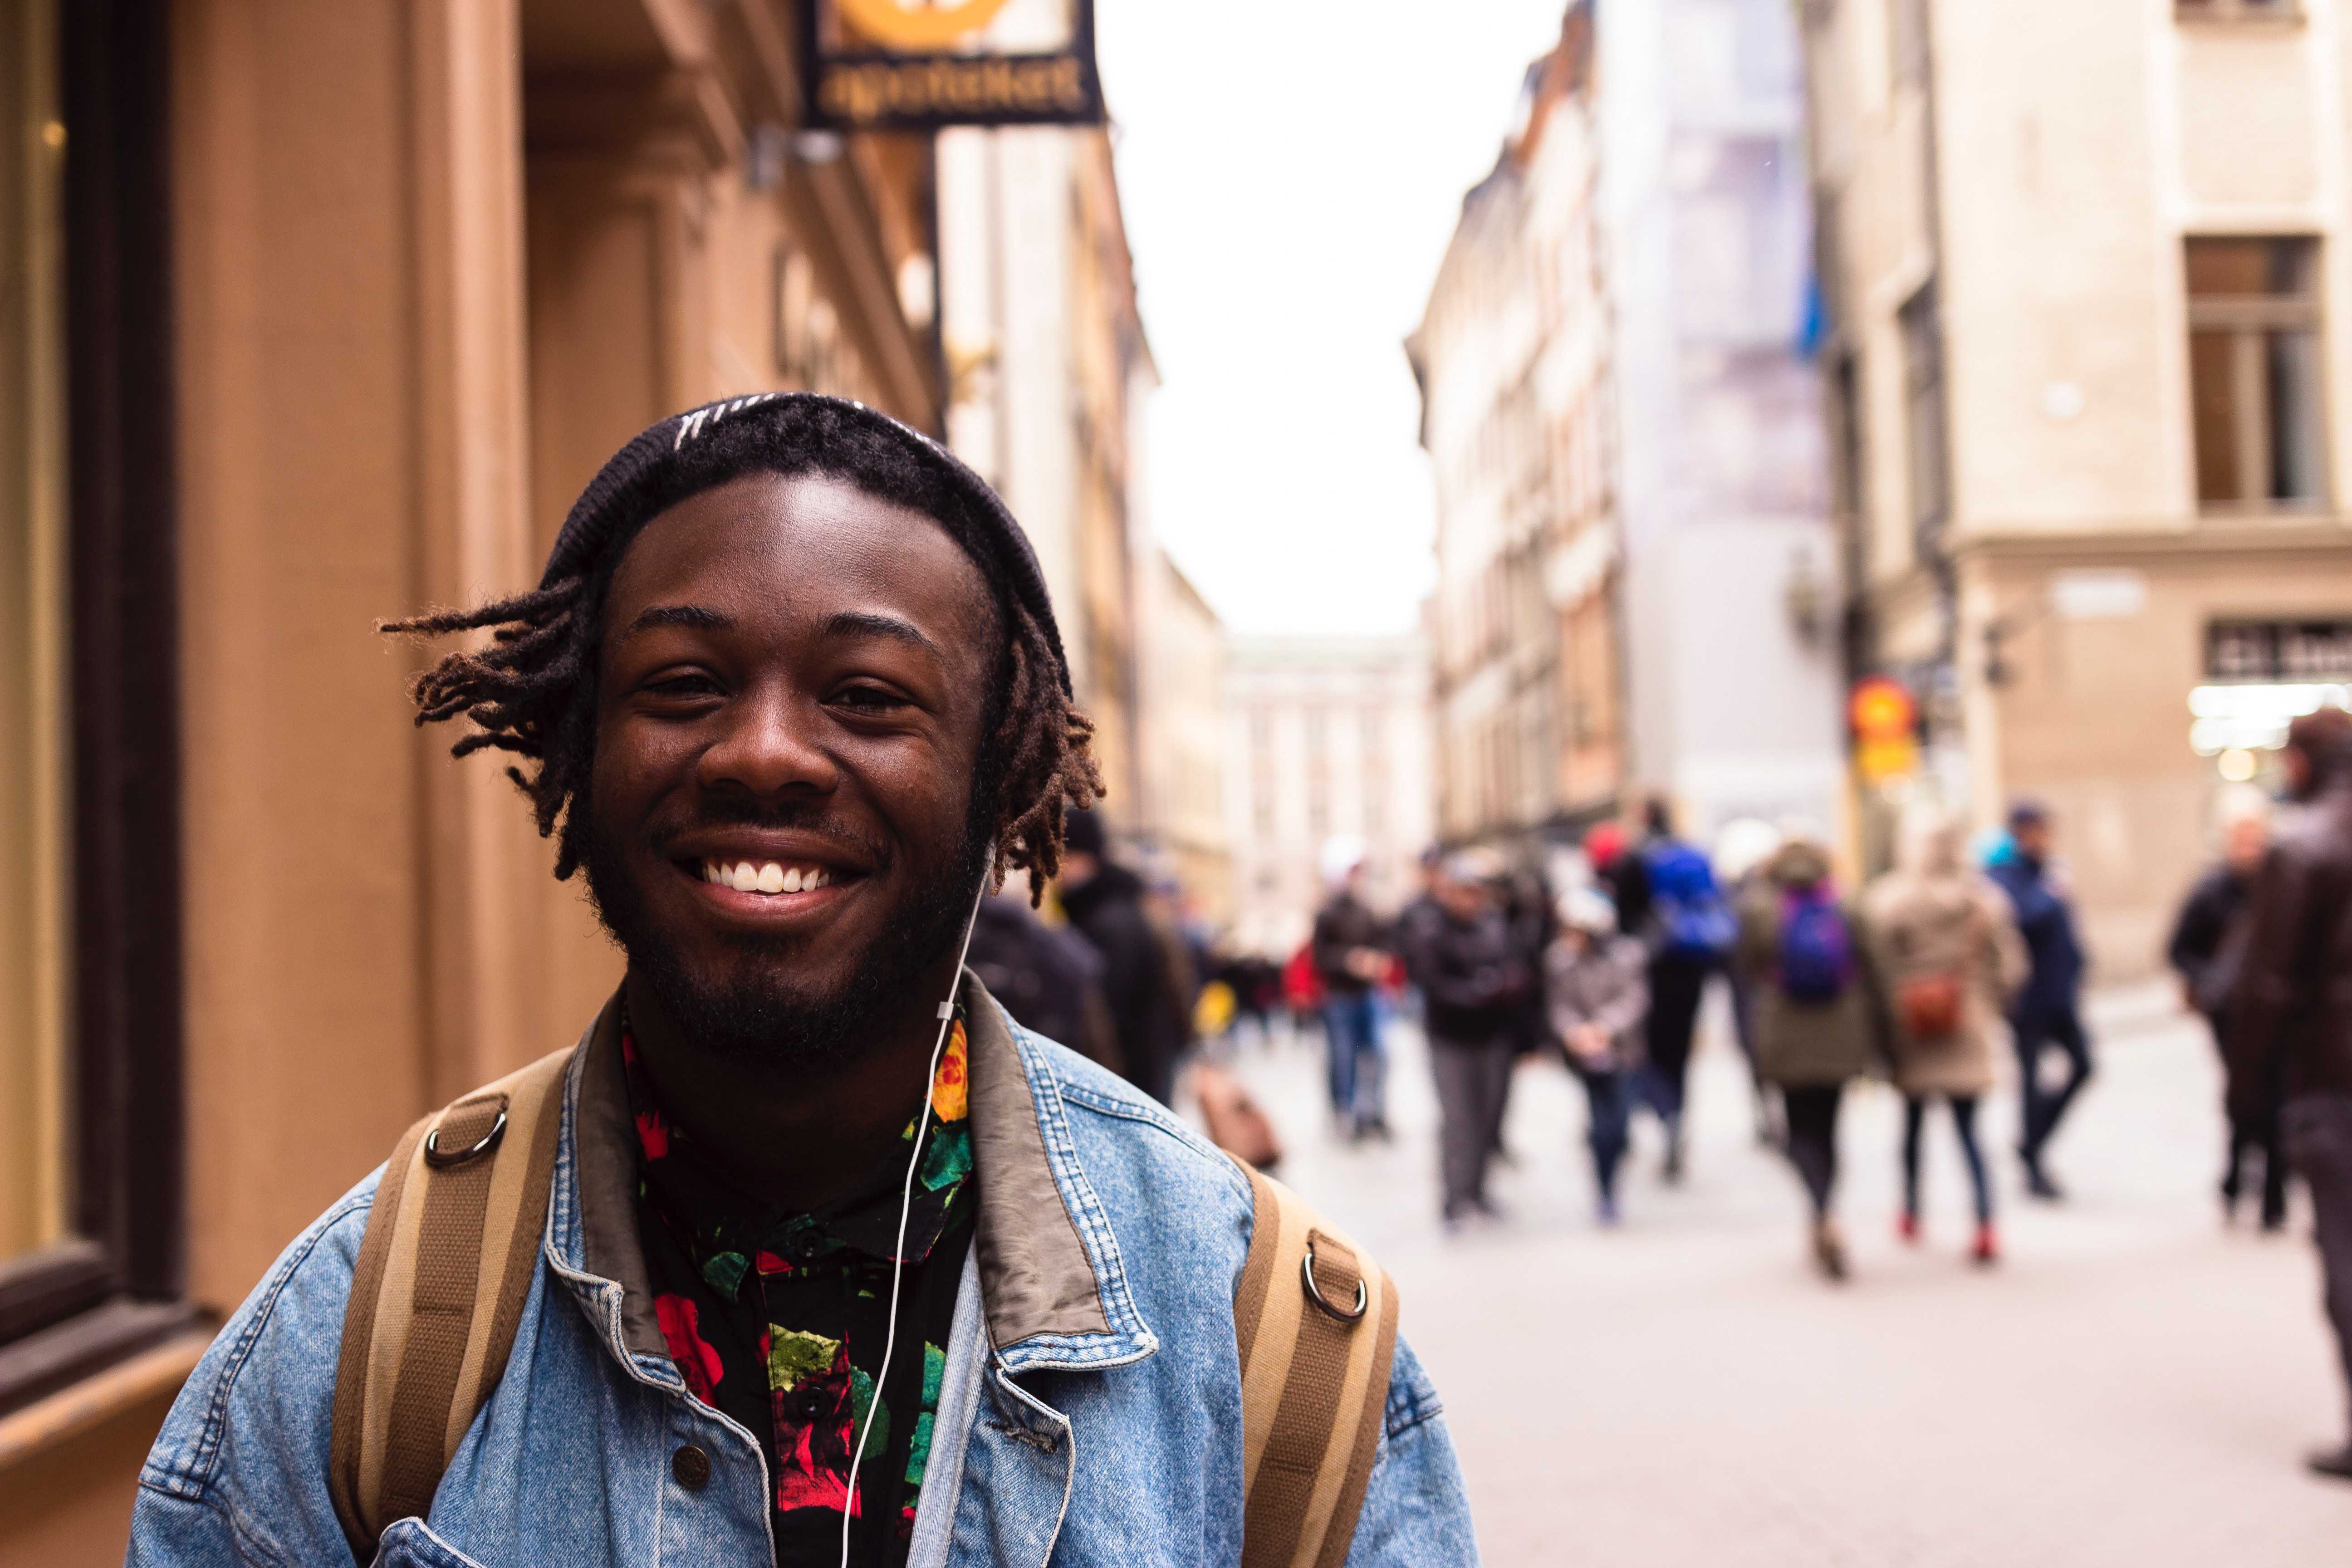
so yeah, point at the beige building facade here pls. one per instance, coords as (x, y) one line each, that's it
(1049, 373)
(2086, 267)
(1512, 355)
(1326, 739)
(1184, 738)
(312, 315)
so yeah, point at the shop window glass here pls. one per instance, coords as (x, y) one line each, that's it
(34, 760)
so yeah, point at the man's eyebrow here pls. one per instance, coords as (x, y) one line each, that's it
(701, 618)
(871, 624)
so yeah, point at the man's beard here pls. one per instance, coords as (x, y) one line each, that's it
(757, 1015)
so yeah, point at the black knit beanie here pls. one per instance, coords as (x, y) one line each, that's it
(800, 432)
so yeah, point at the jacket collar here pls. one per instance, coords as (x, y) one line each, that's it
(1053, 1280)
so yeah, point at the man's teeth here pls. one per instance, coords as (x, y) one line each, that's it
(765, 875)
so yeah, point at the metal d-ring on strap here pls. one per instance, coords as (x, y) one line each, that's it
(1315, 1292)
(434, 1157)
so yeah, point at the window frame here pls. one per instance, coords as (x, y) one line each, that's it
(116, 1287)
(2247, 317)
(2240, 12)
(1927, 418)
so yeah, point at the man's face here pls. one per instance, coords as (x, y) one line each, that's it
(2032, 838)
(1462, 900)
(790, 691)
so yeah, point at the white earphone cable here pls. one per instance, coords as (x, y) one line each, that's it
(906, 1205)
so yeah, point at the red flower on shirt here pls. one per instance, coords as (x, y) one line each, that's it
(683, 1335)
(652, 1134)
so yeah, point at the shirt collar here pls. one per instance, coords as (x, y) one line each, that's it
(1053, 1279)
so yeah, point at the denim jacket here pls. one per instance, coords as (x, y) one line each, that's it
(1092, 1385)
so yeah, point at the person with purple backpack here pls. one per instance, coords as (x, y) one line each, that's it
(1820, 1021)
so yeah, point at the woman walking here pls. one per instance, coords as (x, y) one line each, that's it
(1818, 1020)
(1597, 998)
(1951, 958)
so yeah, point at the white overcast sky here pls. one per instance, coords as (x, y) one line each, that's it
(1291, 172)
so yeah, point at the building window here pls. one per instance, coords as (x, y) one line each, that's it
(2254, 372)
(90, 971)
(1907, 38)
(1923, 399)
(2238, 10)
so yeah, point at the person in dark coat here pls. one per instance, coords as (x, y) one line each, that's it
(1049, 979)
(1149, 1003)
(1474, 981)
(2207, 958)
(2048, 1013)
(2291, 1011)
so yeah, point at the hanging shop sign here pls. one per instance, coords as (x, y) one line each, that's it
(922, 65)
(1886, 723)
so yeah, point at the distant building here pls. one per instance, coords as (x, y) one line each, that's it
(1513, 358)
(1721, 479)
(1048, 373)
(1632, 546)
(2093, 412)
(1327, 737)
(1182, 806)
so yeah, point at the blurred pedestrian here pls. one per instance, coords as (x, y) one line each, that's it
(1597, 998)
(1049, 978)
(2207, 951)
(1148, 994)
(1818, 1017)
(1949, 958)
(1667, 895)
(2048, 1013)
(1473, 984)
(1527, 911)
(1604, 850)
(2292, 1004)
(1740, 851)
(1352, 956)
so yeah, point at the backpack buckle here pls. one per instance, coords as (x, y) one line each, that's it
(1315, 1291)
(441, 1159)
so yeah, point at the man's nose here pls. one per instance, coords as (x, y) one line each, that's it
(773, 745)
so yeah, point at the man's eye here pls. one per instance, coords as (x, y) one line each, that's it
(869, 699)
(689, 684)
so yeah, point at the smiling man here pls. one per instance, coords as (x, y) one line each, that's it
(806, 1253)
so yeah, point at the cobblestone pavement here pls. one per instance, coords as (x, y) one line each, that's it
(2133, 1385)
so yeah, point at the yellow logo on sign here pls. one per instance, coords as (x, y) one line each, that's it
(913, 24)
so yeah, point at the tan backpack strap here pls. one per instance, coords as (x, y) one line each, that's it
(451, 1248)
(1316, 1321)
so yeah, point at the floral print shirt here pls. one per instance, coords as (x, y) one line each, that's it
(778, 1319)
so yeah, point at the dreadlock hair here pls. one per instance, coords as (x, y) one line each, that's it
(531, 688)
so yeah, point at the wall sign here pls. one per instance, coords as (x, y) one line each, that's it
(2281, 652)
(913, 65)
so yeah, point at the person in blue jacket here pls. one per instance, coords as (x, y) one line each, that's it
(2047, 1014)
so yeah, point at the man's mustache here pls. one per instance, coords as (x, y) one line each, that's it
(818, 822)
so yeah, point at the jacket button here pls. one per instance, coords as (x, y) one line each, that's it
(690, 1467)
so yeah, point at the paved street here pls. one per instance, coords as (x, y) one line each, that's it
(2133, 1385)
